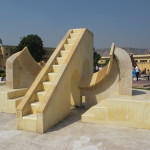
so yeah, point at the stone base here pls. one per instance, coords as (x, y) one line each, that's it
(10, 98)
(131, 111)
(2, 83)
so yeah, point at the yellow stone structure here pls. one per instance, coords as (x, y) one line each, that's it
(56, 87)
(114, 78)
(111, 96)
(10, 98)
(67, 79)
(131, 111)
(21, 70)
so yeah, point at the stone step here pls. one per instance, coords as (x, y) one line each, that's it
(76, 30)
(68, 46)
(47, 85)
(16, 93)
(60, 60)
(71, 40)
(64, 53)
(35, 106)
(11, 105)
(51, 76)
(29, 122)
(56, 68)
(73, 35)
(87, 117)
(40, 95)
(146, 85)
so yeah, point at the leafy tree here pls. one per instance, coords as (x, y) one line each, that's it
(107, 61)
(1, 42)
(34, 44)
(96, 58)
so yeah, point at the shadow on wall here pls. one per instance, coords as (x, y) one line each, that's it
(75, 91)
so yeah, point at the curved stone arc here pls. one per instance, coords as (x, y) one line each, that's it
(125, 71)
(116, 79)
(99, 76)
(21, 70)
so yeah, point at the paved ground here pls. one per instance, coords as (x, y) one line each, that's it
(71, 134)
(141, 82)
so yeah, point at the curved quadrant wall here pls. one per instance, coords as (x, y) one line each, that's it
(21, 70)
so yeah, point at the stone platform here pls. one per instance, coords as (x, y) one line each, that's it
(2, 83)
(141, 84)
(10, 98)
(131, 111)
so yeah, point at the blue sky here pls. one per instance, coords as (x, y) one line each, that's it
(125, 22)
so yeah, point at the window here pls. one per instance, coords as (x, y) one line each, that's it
(143, 60)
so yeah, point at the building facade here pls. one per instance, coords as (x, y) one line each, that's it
(6, 51)
(143, 61)
(48, 53)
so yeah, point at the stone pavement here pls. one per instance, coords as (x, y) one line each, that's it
(71, 134)
(141, 84)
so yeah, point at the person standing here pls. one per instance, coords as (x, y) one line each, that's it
(137, 73)
(96, 68)
(100, 68)
(148, 73)
(133, 74)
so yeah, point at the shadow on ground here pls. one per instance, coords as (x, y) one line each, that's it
(73, 117)
(137, 92)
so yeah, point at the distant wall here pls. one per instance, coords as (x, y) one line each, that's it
(143, 65)
(2, 62)
(7, 50)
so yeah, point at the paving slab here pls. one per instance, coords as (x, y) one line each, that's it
(72, 134)
(141, 84)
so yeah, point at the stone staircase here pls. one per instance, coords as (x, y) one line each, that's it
(46, 84)
(130, 111)
(10, 98)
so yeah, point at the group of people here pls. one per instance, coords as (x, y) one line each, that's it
(97, 68)
(136, 73)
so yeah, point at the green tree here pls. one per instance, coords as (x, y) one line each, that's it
(1, 42)
(107, 61)
(97, 57)
(34, 44)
